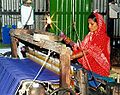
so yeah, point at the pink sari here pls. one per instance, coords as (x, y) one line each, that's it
(98, 46)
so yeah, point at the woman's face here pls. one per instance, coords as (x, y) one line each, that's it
(92, 25)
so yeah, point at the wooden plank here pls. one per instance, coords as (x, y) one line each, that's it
(21, 35)
(65, 68)
(116, 69)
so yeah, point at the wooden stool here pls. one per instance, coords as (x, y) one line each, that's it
(116, 69)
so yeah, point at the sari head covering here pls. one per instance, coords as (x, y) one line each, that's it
(98, 46)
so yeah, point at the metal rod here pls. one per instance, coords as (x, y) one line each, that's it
(118, 24)
(73, 10)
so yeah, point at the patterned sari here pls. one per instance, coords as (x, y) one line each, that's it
(98, 46)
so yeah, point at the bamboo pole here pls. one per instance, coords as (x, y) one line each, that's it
(48, 66)
(42, 57)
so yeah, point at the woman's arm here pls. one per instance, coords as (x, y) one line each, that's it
(79, 54)
(66, 39)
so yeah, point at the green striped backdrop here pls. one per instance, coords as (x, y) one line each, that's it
(64, 12)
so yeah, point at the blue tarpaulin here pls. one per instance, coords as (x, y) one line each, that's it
(13, 71)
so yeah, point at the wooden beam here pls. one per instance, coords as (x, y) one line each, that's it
(14, 47)
(65, 67)
(22, 34)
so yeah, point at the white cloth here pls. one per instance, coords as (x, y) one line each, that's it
(25, 13)
(19, 50)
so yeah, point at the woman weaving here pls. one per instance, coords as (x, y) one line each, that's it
(94, 51)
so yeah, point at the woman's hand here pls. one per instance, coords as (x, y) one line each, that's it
(75, 56)
(66, 39)
(79, 54)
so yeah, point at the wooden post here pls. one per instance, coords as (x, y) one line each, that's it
(83, 84)
(65, 67)
(14, 47)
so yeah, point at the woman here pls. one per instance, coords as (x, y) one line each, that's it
(94, 51)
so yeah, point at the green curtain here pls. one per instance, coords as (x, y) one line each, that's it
(70, 16)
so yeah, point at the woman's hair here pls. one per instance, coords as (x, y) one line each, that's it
(93, 17)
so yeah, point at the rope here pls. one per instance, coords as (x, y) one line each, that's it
(47, 57)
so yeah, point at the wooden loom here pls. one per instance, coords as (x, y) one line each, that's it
(59, 65)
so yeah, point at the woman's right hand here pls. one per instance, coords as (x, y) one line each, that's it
(66, 39)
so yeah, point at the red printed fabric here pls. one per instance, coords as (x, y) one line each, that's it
(98, 46)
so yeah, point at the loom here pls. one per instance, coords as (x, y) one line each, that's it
(45, 52)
